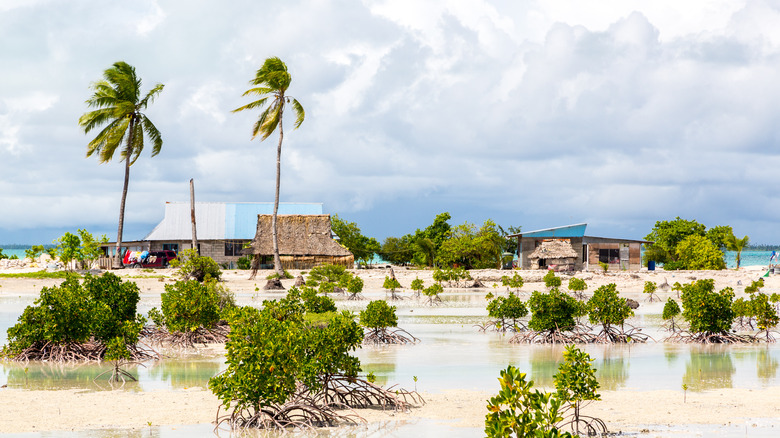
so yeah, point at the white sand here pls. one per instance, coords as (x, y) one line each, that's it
(33, 410)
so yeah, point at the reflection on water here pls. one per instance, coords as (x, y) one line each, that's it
(544, 365)
(766, 367)
(709, 367)
(41, 376)
(185, 373)
(612, 370)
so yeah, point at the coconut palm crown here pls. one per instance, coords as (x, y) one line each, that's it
(270, 84)
(119, 104)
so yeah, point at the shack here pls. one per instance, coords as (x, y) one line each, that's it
(587, 252)
(305, 241)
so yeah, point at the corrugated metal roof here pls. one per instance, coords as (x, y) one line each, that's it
(220, 220)
(576, 230)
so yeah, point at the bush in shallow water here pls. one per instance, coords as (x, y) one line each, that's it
(65, 318)
(187, 306)
(552, 311)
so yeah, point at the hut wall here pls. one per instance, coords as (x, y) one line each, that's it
(208, 248)
(529, 244)
(614, 256)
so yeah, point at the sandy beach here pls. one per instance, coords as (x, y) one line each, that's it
(21, 410)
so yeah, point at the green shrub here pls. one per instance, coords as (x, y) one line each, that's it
(417, 285)
(187, 306)
(391, 284)
(577, 285)
(378, 315)
(327, 273)
(272, 351)
(244, 263)
(285, 275)
(671, 310)
(576, 383)
(553, 311)
(64, 317)
(518, 411)
(605, 307)
(507, 308)
(314, 303)
(514, 282)
(196, 267)
(551, 281)
(704, 309)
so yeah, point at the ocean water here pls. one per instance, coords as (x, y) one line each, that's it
(11, 252)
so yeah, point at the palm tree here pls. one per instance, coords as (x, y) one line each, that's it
(118, 99)
(271, 83)
(737, 245)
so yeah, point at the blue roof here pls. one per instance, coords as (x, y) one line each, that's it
(576, 230)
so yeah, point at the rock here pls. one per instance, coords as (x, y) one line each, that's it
(299, 281)
(632, 303)
(477, 284)
(273, 284)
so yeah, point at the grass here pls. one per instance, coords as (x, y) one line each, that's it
(39, 274)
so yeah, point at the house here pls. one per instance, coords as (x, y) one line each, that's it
(222, 228)
(304, 242)
(568, 248)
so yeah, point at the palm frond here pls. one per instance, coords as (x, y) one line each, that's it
(107, 141)
(271, 121)
(260, 91)
(299, 113)
(150, 96)
(252, 105)
(153, 133)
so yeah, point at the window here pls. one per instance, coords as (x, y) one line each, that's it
(172, 247)
(609, 256)
(234, 247)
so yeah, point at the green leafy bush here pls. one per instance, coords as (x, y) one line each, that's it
(520, 411)
(553, 311)
(551, 281)
(327, 273)
(577, 285)
(62, 321)
(285, 275)
(509, 308)
(378, 315)
(605, 307)
(671, 311)
(575, 384)
(314, 303)
(196, 267)
(188, 306)
(244, 263)
(515, 282)
(704, 309)
(391, 284)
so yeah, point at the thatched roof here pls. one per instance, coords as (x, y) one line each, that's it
(300, 235)
(554, 249)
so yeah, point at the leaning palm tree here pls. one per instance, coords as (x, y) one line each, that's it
(737, 245)
(271, 83)
(118, 99)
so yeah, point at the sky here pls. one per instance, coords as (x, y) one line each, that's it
(617, 113)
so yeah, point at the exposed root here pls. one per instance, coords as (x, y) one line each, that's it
(615, 335)
(356, 296)
(359, 393)
(502, 326)
(433, 300)
(580, 334)
(328, 407)
(389, 335)
(75, 352)
(118, 375)
(586, 426)
(394, 295)
(711, 338)
(218, 334)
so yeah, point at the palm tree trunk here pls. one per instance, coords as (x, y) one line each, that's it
(274, 233)
(118, 256)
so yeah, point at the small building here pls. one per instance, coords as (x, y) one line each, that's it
(304, 241)
(569, 248)
(222, 228)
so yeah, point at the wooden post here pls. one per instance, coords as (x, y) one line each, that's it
(192, 216)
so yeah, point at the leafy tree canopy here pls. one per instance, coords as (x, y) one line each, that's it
(473, 248)
(704, 309)
(696, 252)
(350, 236)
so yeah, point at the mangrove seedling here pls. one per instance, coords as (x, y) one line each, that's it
(650, 289)
(671, 310)
(417, 286)
(577, 286)
(391, 284)
(576, 385)
(381, 325)
(551, 281)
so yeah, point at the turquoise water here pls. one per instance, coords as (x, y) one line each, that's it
(11, 252)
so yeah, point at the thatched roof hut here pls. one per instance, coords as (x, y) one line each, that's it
(304, 241)
(553, 251)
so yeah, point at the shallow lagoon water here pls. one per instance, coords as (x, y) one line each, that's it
(452, 354)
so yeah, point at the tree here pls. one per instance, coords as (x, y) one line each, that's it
(709, 313)
(671, 310)
(734, 244)
(576, 383)
(271, 83)
(697, 252)
(607, 308)
(397, 250)
(362, 247)
(506, 308)
(720, 235)
(518, 411)
(473, 248)
(378, 318)
(666, 235)
(118, 99)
